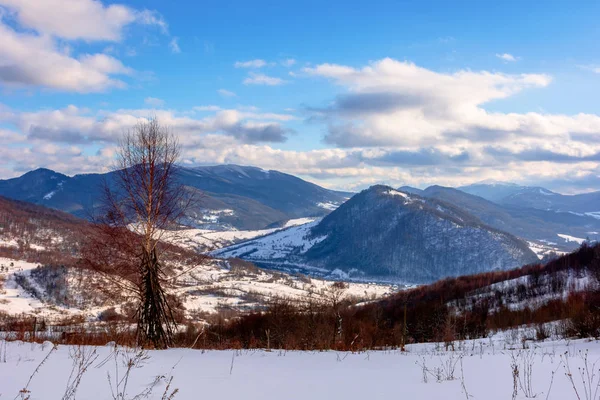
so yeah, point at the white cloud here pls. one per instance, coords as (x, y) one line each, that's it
(30, 60)
(174, 46)
(392, 103)
(74, 125)
(226, 93)
(80, 19)
(250, 64)
(507, 57)
(262, 79)
(62, 140)
(154, 102)
(40, 55)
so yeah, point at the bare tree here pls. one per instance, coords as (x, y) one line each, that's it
(141, 205)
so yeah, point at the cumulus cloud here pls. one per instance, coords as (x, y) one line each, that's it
(62, 140)
(262, 79)
(393, 103)
(31, 60)
(506, 57)
(80, 19)
(74, 125)
(39, 54)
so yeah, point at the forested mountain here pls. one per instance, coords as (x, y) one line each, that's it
(229, 196)
(385, 233)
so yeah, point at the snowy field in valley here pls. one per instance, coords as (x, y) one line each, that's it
(209, 287)
(481, 369)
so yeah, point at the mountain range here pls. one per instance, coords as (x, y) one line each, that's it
(536, 197)
(230, 196)
(522, 219)
(408, 234)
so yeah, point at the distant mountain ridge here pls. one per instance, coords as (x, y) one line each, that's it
(520, 219)
(382, 232)
(535, 197)
(231, 196)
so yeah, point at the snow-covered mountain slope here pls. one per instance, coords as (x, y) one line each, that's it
(273, 247)
(203, 240)
(386, 233)
(39, 248)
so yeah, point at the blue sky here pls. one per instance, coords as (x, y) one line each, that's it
(342, 93)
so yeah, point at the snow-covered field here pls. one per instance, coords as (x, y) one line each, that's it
(542, 249)
(481, 369)
(207, 288)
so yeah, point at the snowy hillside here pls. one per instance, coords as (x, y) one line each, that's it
(386, 234)
(204, 240)
(208, 288)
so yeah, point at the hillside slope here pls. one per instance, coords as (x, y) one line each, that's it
(388, 234)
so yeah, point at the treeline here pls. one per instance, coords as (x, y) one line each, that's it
(39, 234)
(445, 311)
(449, 310)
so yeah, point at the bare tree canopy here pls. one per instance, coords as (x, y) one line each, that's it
(142, 204)
(147, 198)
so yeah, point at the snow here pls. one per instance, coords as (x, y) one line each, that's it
(483, 368)
(49, 195)
(593, 214)
(8, 243)
(13, 299)
(328, 206)
(298, 221)
(541, 249)
(569, 238)
(274, 246)
(204, 240)
(205, 288)
(397, 193)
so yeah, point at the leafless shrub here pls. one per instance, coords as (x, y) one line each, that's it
(522, 363)
(131, 359)
(82, 358)
(462, 380)
(24, 394)
(445, 371)
(589, 375)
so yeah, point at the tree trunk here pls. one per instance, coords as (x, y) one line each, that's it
(156, 322)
